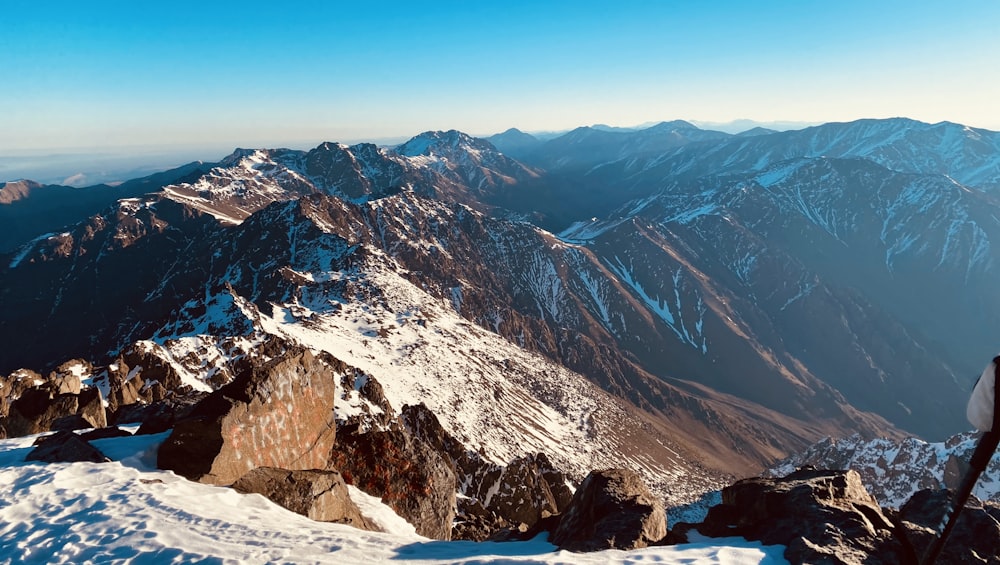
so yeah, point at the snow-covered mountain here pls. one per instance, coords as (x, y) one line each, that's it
(893, 471)
(741, 297)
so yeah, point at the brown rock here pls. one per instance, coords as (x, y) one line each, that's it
(318, 495)
(406, 472)
(279, 414)
(90, 407)
(820, 516)
(612, 509)
(36, 411)
(65, 380)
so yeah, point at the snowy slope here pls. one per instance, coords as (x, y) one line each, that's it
(488, 393)
(128, 512)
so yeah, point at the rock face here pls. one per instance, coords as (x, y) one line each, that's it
(975, 538)
(408, 474)
(612, 509)
(278, 414)
(318, 495)
(41, 408)
(820, 516)
(495, 497)
(65, 447)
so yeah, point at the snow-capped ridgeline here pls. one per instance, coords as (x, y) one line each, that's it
(893, 471)
(971, 156)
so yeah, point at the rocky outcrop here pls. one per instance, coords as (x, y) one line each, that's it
(612, 509)
(974, 539)
(66, 377)
(40, 409)
(90, 408)
(65, 447)
(820, 516)
(318, 495)
(277, 414)
(495, 497)
(408, 474)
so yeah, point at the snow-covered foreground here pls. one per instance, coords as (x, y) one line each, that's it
(129, 512)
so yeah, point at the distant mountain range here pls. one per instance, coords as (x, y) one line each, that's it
(741, 296)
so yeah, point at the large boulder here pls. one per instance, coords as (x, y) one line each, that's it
(820, 516)
(37, 410)
(612, 509)
(318, 495)
(276, 414)
(976, 534)
(408, 474)
(65, 447)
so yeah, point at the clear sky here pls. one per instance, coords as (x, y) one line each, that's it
(250, 73)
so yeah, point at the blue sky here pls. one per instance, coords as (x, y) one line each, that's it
(100, 74)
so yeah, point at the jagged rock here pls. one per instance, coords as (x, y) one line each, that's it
(36, 411)
(318, 495)
(90, 408)
(66, 378)
(974, 539)
(522, 494)
(13, 385)
(500, 497)
(612, 509)
(408, 474)
(279, 414)
(820, 516)
(153, 367)
(65, 447)
(473, 522)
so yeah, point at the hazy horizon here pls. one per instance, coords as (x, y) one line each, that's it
(108, 74)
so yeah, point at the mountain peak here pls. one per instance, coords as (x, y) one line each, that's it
(17, 190)
(431, 143)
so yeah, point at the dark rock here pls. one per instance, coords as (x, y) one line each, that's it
(36, 411)
(14, 385)
(278, 414)
(820, 516)
(502, 496)
(103, 433)
(65, 447)
(974, 539)
(612, 509)
(161, 415)
(473, 522)
(318, 495)
(521, 495)
(408, 474)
